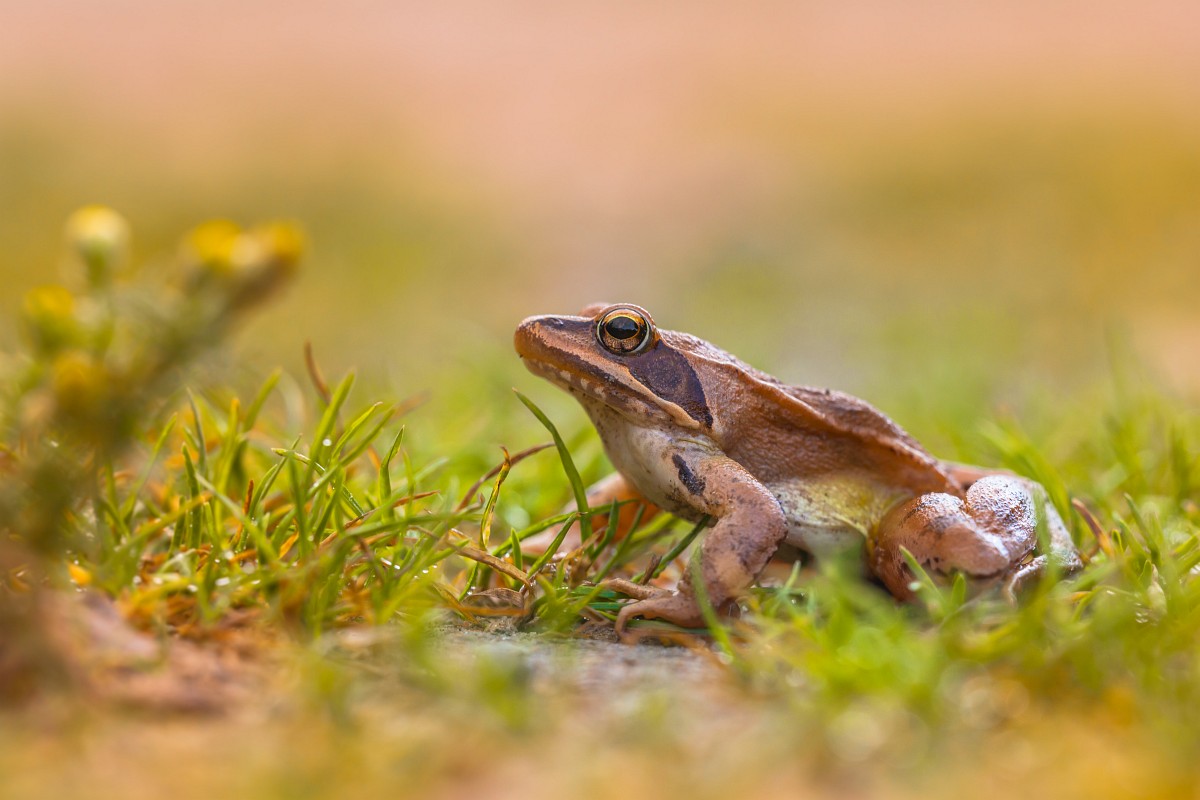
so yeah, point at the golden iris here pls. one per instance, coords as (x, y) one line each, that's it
(623, 331)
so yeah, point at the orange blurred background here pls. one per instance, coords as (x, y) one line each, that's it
(879, 196)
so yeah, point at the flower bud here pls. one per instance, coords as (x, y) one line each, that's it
(208, 250)
(99, 238)
(285, 244)
(241, 268)
(269, 255)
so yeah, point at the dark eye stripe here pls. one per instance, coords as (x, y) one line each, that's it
(667, 373)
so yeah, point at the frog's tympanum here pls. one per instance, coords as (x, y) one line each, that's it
(694, 431)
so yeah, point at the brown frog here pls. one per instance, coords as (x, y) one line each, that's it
(695, 431)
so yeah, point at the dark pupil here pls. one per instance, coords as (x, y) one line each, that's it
(622, 327)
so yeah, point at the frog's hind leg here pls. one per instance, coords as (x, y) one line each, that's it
(967, 474)
(990, 535)
(600, 494)
(1060, 548)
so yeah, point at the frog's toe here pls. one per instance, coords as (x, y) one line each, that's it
(637, 591)
(1021, 578)
(674, 607)
(1026, 575)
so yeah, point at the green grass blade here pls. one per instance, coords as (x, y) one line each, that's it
(568, 464)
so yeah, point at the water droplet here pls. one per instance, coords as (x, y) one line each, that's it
(327, 442)
(222, 581)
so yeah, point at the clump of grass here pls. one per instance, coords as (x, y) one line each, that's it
(101, 356)
(189, 506)
(334, 527)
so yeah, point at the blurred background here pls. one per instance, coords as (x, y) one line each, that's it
(927, 203)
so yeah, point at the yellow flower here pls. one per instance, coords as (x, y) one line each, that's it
(242, 267)
(81, 385)
(80, 575)
(209, 248)
(266, 257)
(285, 242)
(48, 314)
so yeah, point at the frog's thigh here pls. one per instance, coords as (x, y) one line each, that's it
(1060, 549)
(986, 535)
(966, 474)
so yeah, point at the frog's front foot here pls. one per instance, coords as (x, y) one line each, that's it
(676, 607)
(638, 591)
(673, 606)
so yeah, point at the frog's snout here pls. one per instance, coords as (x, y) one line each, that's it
(535, 336)
(526, 335)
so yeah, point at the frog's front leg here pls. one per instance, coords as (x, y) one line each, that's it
(750, 526)
(988, 535)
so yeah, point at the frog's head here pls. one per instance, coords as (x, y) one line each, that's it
(613, 355)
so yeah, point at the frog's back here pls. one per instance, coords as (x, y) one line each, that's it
(853, 415)
(837, 465)
(784, 432)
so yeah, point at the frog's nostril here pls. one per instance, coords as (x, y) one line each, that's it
(529, 338)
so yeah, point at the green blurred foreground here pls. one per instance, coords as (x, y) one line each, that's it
(302, 568)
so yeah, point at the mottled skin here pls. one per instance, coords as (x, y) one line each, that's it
(693, 430)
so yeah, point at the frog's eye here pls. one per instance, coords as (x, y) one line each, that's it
(623, 331)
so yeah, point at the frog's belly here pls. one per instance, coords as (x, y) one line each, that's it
(830, 516)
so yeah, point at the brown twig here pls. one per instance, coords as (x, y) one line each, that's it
(484, 557)
(314, 373)
(354, 523)
(511, 461)
(1102, 539)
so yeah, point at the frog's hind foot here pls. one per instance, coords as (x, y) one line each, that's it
(1059, 560)
(1014, 585)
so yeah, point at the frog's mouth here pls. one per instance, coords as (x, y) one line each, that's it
(563, 350)
(571, 381)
